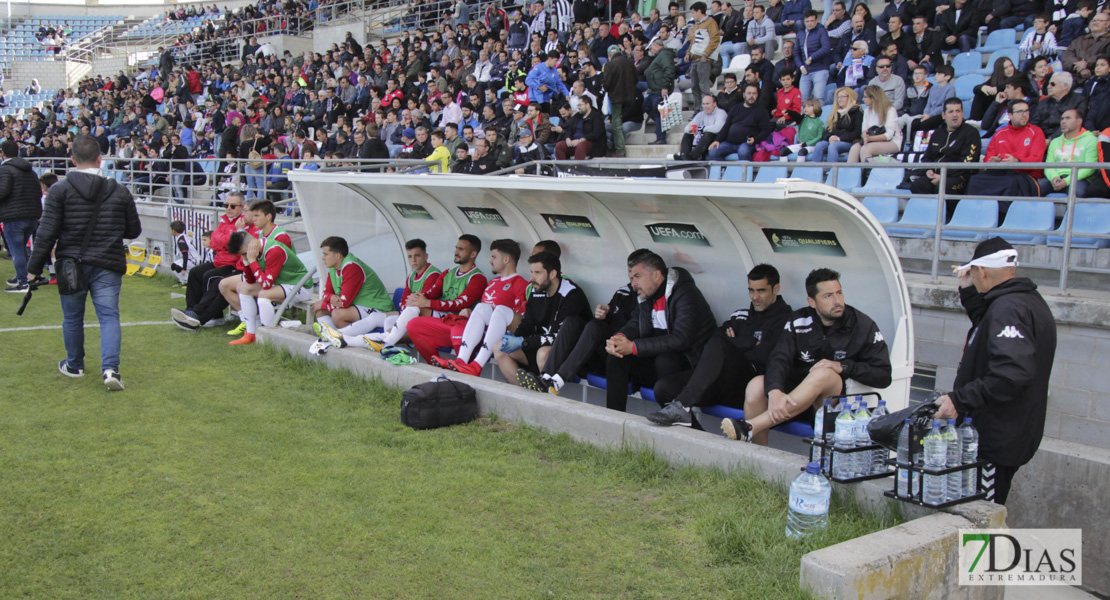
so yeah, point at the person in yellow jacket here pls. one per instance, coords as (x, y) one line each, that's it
(1074, 144)
(440, 156)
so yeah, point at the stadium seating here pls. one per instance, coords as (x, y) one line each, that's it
(884, 209)
(1089, 218)
(966, 63)
(847, 178)
(918, 220)
(965, 85)
(972, 213)
(881, 181)
(768, 174)
(1000, 39)
(1039, 216)
(814, 174)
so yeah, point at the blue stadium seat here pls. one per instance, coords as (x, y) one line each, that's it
(918, 220)
(1039, 216)
(599, 381)
(648, 394)
(397, 293)
(769, 174)
(965, 85)
(733, 174)
(968, 62)
(972, 213)
(1089, 218)
(884, 209)
(814, 174)
(847, 178)
(998, 40)
(881, 181)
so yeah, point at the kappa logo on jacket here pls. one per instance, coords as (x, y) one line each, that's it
(1011, 332)
(806, 357)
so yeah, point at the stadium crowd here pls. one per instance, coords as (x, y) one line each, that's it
(476, 90)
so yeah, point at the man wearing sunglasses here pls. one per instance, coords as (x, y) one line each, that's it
(203, 300)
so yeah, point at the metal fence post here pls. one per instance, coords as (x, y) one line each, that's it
(941, 211)
(1067, 231)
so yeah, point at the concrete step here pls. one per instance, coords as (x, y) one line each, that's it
(660, 151)
(638, 138)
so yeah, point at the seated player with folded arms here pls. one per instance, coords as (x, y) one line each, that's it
(354, 301)
(424, 279)
(500, 310)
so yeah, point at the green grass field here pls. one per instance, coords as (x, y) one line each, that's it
(227, 472)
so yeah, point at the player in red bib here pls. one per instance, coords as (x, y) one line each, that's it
(501, 309)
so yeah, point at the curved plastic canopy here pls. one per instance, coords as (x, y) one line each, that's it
(716, 230)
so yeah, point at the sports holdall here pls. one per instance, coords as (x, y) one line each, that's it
(438, 403)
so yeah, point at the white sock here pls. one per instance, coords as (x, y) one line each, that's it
(248, 312)
(498, 324)
(326, 320)
(267, 315)
(401, 327)
(358, 341)
(557, 382)
(390, 321)
(363, 326)
(475, 330)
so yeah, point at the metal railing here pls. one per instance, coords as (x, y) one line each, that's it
(201, 183)
(722, 170)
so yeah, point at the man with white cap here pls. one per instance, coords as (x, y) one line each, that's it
(1002, 380)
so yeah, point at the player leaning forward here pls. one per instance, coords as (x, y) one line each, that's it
(271, 272)
(354, 301)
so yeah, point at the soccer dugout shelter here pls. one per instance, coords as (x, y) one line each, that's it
(718, 230)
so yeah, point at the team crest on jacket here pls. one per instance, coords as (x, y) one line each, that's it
(506, 288)
(840, 355)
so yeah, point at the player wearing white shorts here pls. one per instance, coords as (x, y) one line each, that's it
(354, 301)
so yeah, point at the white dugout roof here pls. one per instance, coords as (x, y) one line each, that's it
(717, 230)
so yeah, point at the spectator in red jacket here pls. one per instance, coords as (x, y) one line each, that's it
(1018, 142)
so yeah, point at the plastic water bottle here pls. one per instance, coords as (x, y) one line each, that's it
(863, 459)
(936, 455)
(878, 455)
(845, 438)
(818, 430)
(969, 443)
(954, 459)
(907, 486)
(809, 502)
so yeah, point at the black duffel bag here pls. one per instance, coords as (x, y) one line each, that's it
(885, 430)
(438, 403)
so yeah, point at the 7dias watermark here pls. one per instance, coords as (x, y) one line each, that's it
(1021, 557)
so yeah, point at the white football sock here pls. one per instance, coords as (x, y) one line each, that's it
(499, 323)
(326, 320)
(248, 312)
(475, 330)
(401, 327)
(267, 313)
(363, 326)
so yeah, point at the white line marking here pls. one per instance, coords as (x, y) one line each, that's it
(87, 326)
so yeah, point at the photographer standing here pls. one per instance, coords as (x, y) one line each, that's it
(20, 209)
(86, 217)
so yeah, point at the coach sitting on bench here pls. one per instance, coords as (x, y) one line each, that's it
(664, 337)
(735, 355)
(824, 344)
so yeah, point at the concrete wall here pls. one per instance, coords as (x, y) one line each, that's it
(295, 44)
(324, 37)
(50, 73)
(1078, 409)
(109, 66)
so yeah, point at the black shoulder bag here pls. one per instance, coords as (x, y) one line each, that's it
(68, 270)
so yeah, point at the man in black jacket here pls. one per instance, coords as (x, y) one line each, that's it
(747, 125)
(1002, 380)
(823, 344)
(583, 134)
(70, 211)
(20, 209)
(554, 299)
(666, 334)
(620, 84)
(736, 353)
(953, 142)
(580, 338)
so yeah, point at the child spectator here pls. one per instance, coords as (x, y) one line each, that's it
(185, 255)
